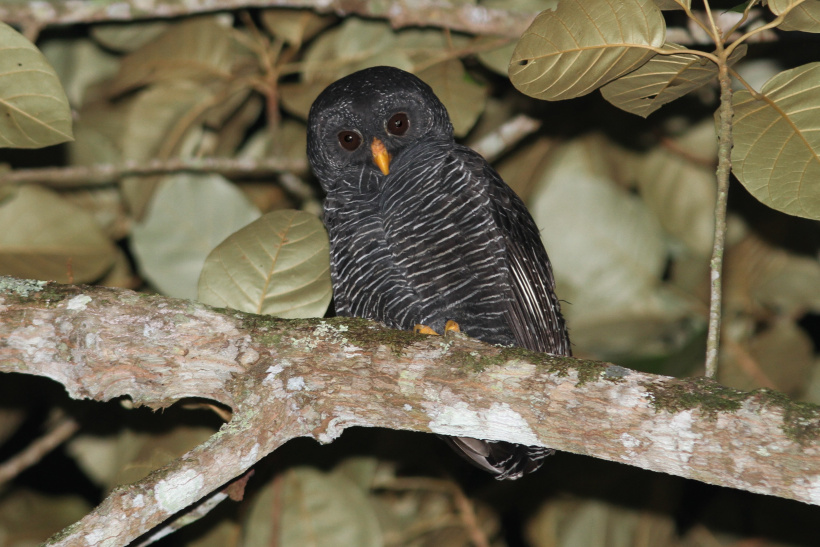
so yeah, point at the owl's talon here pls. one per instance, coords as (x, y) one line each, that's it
(451, 326)
(424, 329)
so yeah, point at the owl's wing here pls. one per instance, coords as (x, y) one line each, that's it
(534, 313)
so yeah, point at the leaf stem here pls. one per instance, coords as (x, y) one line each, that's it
(725, 112)
(771, 24)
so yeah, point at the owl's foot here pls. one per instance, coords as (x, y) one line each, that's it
(424, 329)
(450, 326)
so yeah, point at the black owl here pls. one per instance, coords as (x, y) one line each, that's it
(423, 231)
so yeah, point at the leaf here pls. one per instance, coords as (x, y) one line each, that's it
(677, 183)
(99, 128)
(277, 265)
(662, 80)
(169, 106)
(357, 44)
(568, 522)
(325, 509)
(583, 45)
(128, 37)
(305, 506)
(352, 46)
(601, 239)
(199, 49)
(127, 455)
(776, 152)
(34, 110)
(608, 254)
(188, 216)
(463, 97)
(295, 26)
(804, 17)
(28, 517)
(673, 4)
(780, 356)
(42, 236)
(79, 63)
(497, 59)
(761, 279)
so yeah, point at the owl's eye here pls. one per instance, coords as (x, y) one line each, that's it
(350, 140)
(398, 124)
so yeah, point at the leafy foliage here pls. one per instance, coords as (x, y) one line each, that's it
(33, 107)
(278, 265)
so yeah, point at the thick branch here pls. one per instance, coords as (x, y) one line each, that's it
(315, 378)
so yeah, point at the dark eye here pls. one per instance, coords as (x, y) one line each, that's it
(350, 140)
(398, 124)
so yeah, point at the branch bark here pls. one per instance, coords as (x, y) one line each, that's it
(100, 174)
(290, 378)
(462, 17)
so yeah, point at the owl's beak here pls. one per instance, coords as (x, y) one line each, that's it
(381, 156)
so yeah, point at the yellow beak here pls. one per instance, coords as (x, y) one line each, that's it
(380, 156)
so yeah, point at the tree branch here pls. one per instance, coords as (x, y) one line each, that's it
(464, 17)
(289, 378)
(98, 174)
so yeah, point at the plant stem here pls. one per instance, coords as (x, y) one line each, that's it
(726, 112)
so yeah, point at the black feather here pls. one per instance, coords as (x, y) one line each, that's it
(441, 237)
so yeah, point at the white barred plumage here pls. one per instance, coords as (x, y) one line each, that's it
(436, 236)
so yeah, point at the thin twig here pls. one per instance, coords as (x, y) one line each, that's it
(505, 136)
(100, 174)
(58, 434)
(726, 112)
(466, 510)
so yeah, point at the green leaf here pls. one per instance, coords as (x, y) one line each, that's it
(79, 63)
(188, 217)
(169, 105)
(42, 236)
(463, 97)
(325, 509)
(677, 183)
(582, 45)
(130, 37)
(776, 152)
(295, 26)
(673, 4)
(199, 49)
(34, 110)
(357, 44)
(804, 17)
(354, 45)
(662, 80)
(608, 253)
(277, 265)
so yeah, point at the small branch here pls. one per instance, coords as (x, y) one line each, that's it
(505, 136)
(315, 378)
(101, 174)
(34, 452)
(726, 112)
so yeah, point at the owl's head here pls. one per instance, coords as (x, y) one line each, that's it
(367, 120)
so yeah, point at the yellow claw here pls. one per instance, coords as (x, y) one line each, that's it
(381, 156)
(424, 329)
